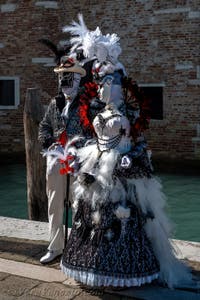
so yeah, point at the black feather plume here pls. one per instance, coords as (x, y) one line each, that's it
(58, 51)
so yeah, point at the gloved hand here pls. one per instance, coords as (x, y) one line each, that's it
(56, 146)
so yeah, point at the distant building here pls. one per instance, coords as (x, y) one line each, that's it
(160, 41)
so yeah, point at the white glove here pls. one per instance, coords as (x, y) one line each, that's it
(56, 146)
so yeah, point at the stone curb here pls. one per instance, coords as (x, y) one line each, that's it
(31, 271)
(34, 230)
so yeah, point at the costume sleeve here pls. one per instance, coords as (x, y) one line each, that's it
(45, 135)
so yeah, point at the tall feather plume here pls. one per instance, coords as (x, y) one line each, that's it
(58, 51)
(78, 31)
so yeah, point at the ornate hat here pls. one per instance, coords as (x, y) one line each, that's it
(69, 64)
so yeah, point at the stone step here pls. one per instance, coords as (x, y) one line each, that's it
(38, 231)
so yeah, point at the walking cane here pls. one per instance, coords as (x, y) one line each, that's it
(67, 208)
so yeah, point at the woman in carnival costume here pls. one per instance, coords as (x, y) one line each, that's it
(120, 234)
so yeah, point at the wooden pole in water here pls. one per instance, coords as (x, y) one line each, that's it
(35, 163)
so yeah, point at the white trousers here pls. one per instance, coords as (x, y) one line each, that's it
(56, 193)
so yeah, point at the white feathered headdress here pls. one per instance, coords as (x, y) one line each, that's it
(93, 43)
(82, 37)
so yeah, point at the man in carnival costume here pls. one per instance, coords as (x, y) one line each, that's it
(120, 234)
(67, 116)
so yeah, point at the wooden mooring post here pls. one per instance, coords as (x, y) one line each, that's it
(35, 163)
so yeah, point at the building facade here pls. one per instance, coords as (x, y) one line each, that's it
(160, 50)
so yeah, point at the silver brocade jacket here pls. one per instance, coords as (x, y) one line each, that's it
(53, 124)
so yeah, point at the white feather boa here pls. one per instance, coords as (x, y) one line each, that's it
(150, 197)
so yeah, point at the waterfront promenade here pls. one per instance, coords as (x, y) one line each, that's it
(22, 277)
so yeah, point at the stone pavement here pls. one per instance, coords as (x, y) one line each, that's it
(22, 277)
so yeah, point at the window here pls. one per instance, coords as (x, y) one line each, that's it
(9, 92)
(154, 92)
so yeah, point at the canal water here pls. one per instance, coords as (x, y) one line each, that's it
(183, 199)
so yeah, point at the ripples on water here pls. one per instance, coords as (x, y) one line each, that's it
(13, 191)
(183, 199)
(183, 193)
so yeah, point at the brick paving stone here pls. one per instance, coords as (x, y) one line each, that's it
(17, 286)
(55, 291)
(92, 296)
(95, 294)
(30, 297)
(3, 275)
(7, 297)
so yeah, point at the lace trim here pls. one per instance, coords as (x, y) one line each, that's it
(101, 280)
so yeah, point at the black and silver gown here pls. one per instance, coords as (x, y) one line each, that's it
(108, 244)
(120, 234)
